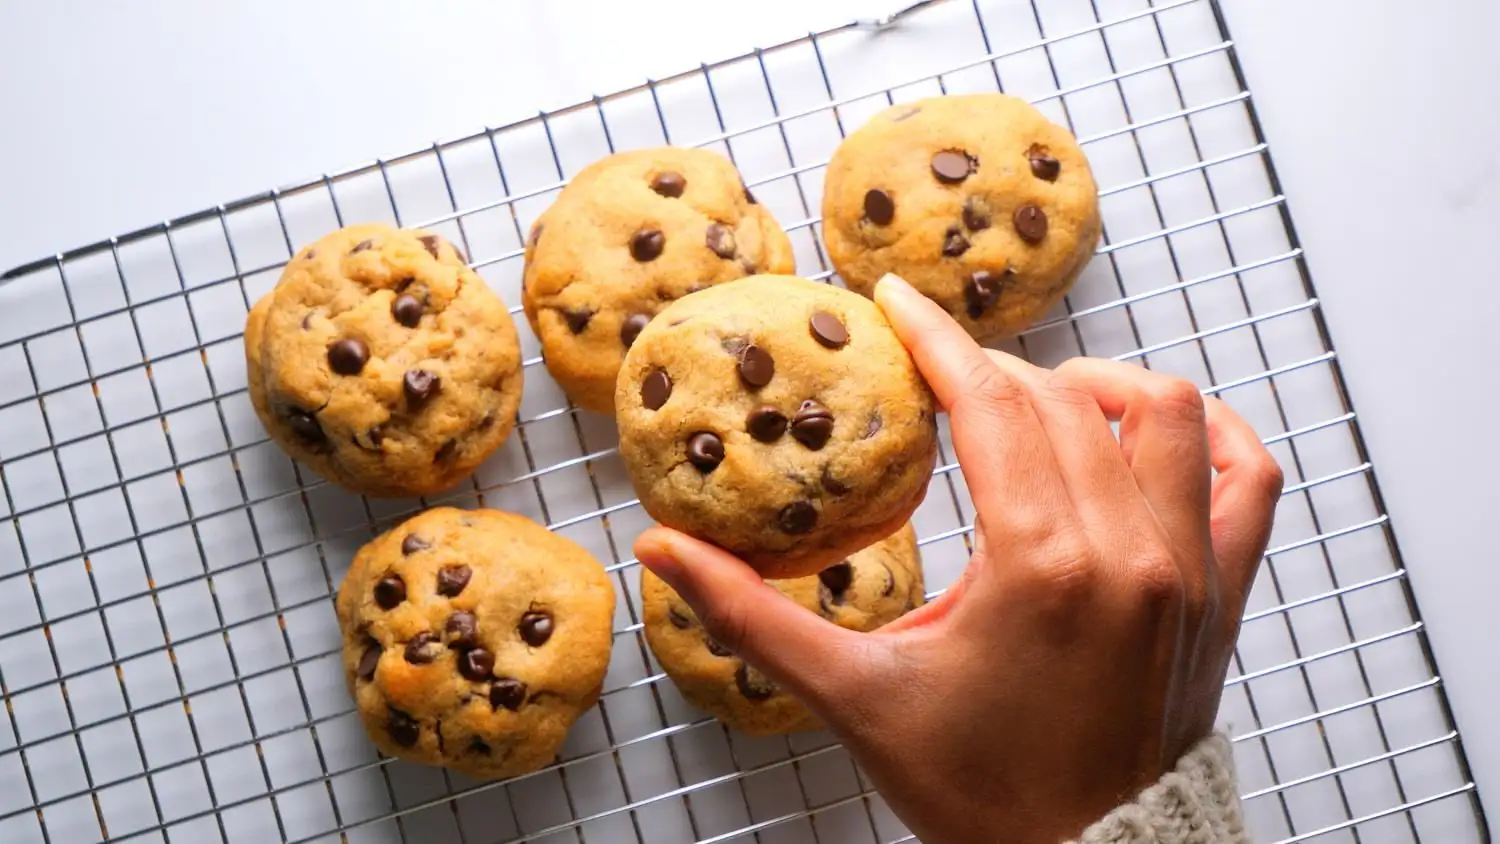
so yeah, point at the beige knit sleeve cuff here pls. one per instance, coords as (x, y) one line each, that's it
(1196, 803)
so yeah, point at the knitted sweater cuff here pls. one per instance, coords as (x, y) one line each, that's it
(1196, 803)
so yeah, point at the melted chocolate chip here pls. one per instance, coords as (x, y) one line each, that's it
(879, 209)
(451, 580)
(406, 309)
(872, 426)
(1043, 165)
(419, 386)
(577, 319)
(752, 684)
(890, 582)
(647, 244)
(837, 578)
(446, 451)
(705, 451)
(656, 389)
(507, 692)
(982, 290)
(307, 321)
(766, 424)
(536, 628)
(832, 484)
(462, 630)
(348, 356)
(669, 184)
(1031, 223)
(976, 217)
(717, 649)
(720, 240)
(390, 592)
(954, 243)
(756, 366)
(369, 660)
(679, 619)
(476, 664)
(797, 517)
(412, 544)
(478, 746)
(311, 253)
(828, 330)
(952, 166)
(431, 242)
(813, 425)
(422, 649)
(631, 328)
(362, 246)
(305, 425)
(403, 728)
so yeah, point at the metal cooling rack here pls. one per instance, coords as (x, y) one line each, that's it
(168, 648)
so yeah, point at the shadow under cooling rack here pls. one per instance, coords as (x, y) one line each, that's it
(169, 656)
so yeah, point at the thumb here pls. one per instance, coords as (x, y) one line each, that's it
(798, 649)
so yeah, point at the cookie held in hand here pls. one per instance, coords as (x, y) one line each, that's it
(779, 419)
(474, 640)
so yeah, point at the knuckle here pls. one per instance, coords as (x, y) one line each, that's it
(1179, 399)
(1063, 388)
(1158, 582)
(1266, 474)
(985, 385)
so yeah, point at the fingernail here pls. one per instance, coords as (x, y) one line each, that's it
(891, 284)
(654, 550)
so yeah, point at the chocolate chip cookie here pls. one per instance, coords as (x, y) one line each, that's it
(977, 200)
(630, 234)
(383, 362)
(778, 418)
(872, 588)
(474, 639)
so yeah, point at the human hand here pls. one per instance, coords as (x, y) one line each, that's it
(1084, 649)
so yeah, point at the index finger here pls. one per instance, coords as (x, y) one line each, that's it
(1002, 449)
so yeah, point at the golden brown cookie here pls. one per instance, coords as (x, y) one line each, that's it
(872, 588)
(630, 234)
(977, 200)
(474, 639)
(777, 418)
(383, 362)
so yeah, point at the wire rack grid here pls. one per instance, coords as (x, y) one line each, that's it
(168, 649)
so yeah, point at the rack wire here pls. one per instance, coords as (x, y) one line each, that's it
(168, 648)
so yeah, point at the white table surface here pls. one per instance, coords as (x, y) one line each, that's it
(1382, 119)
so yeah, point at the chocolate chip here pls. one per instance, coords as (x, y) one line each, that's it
(372, 439)
(446, 451)
(368, 660)
(813, 425)
(976, 218)
(890, 582)
(403, 728)
(311, 253)
(752, 684)
(954, 243)
(419, 386)
(390, 592)
(982, 290)
(872, 426)
(478, 746)
(906, 115)
(705, 451)
(952, 166)
(577, 319)
(307, 321)
(647, 244)
(1031, 223)
(1043, 165)
(656, 389)
(305, 425)
(362, 246)
(536, 628)
(487, 420)
(422, 649)
(407, 310)
(828, 330)
(717, 649)
(451, 580)
(747, 265)
(837, 578)
(832, 484)
(462, 630)
(348, 356)
(669, 184)
(631, 328)
(756, 366)
(412, 544)
(720, 239)
(766, 424)
(679, 619)
(507, 692)
(476, 664)
(431, 241)
(797, 517)
(879, 209)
